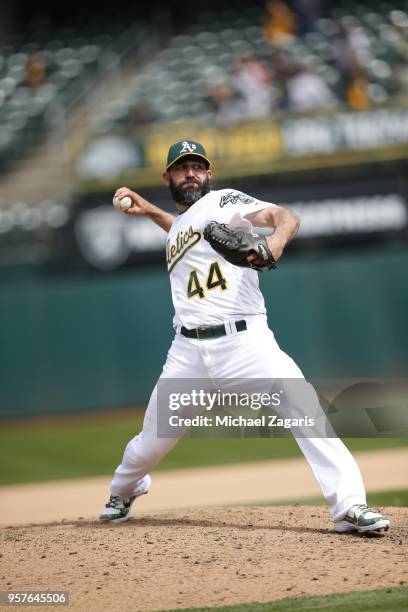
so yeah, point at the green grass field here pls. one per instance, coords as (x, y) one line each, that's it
(92, 445)
(382, 600)
(384, 498)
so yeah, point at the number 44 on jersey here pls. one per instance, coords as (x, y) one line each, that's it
(213, 280)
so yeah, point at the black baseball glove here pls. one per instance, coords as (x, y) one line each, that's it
(235, 246)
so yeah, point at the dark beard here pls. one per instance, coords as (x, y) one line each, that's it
(188, 197)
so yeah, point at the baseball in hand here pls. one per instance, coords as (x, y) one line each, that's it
(122, 204)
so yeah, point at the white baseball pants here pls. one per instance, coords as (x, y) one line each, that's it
(251, 354)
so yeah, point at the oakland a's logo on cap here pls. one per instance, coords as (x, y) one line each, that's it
(188, 147)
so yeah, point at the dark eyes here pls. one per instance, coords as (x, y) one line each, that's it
(197, 167)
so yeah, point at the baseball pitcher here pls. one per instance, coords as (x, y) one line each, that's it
(221, 327)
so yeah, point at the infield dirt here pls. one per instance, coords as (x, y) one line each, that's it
(201, 557)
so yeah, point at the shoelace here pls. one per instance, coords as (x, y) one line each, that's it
(362, 509)
(113, 502)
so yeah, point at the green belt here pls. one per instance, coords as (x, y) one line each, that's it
(203, 333)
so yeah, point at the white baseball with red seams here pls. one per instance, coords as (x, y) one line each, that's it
(208, 291)
(122, 204)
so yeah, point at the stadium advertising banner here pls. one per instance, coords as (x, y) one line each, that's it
(92, 233)
(332, 213)
(296, 143)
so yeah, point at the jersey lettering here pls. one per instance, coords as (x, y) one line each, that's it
(184, 242)
(235, 196)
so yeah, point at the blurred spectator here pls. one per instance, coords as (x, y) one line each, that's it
(307, 90)
(351, 46)
(252, 81)
(142, 114)
(36, 71)
(279, 23)
(309, 11)
(280, 61)
(357, 92)
(345, 54)
(229, 108)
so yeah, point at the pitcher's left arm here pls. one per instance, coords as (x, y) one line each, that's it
(283, 221)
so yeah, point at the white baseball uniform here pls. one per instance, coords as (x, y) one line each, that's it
(208, 291)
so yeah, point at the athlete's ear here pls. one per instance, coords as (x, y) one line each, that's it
(209, 173)
(166, 178)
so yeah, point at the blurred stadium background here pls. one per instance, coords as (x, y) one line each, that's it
(299, 102)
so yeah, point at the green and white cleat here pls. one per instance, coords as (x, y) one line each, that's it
(363, 519)
(117, 509)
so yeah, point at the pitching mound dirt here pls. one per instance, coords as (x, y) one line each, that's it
(201, 557)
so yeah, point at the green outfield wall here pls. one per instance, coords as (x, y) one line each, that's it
(76, 343)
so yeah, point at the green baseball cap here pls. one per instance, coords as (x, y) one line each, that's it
(186, 147)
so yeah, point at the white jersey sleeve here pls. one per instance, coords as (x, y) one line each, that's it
(235, 206)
